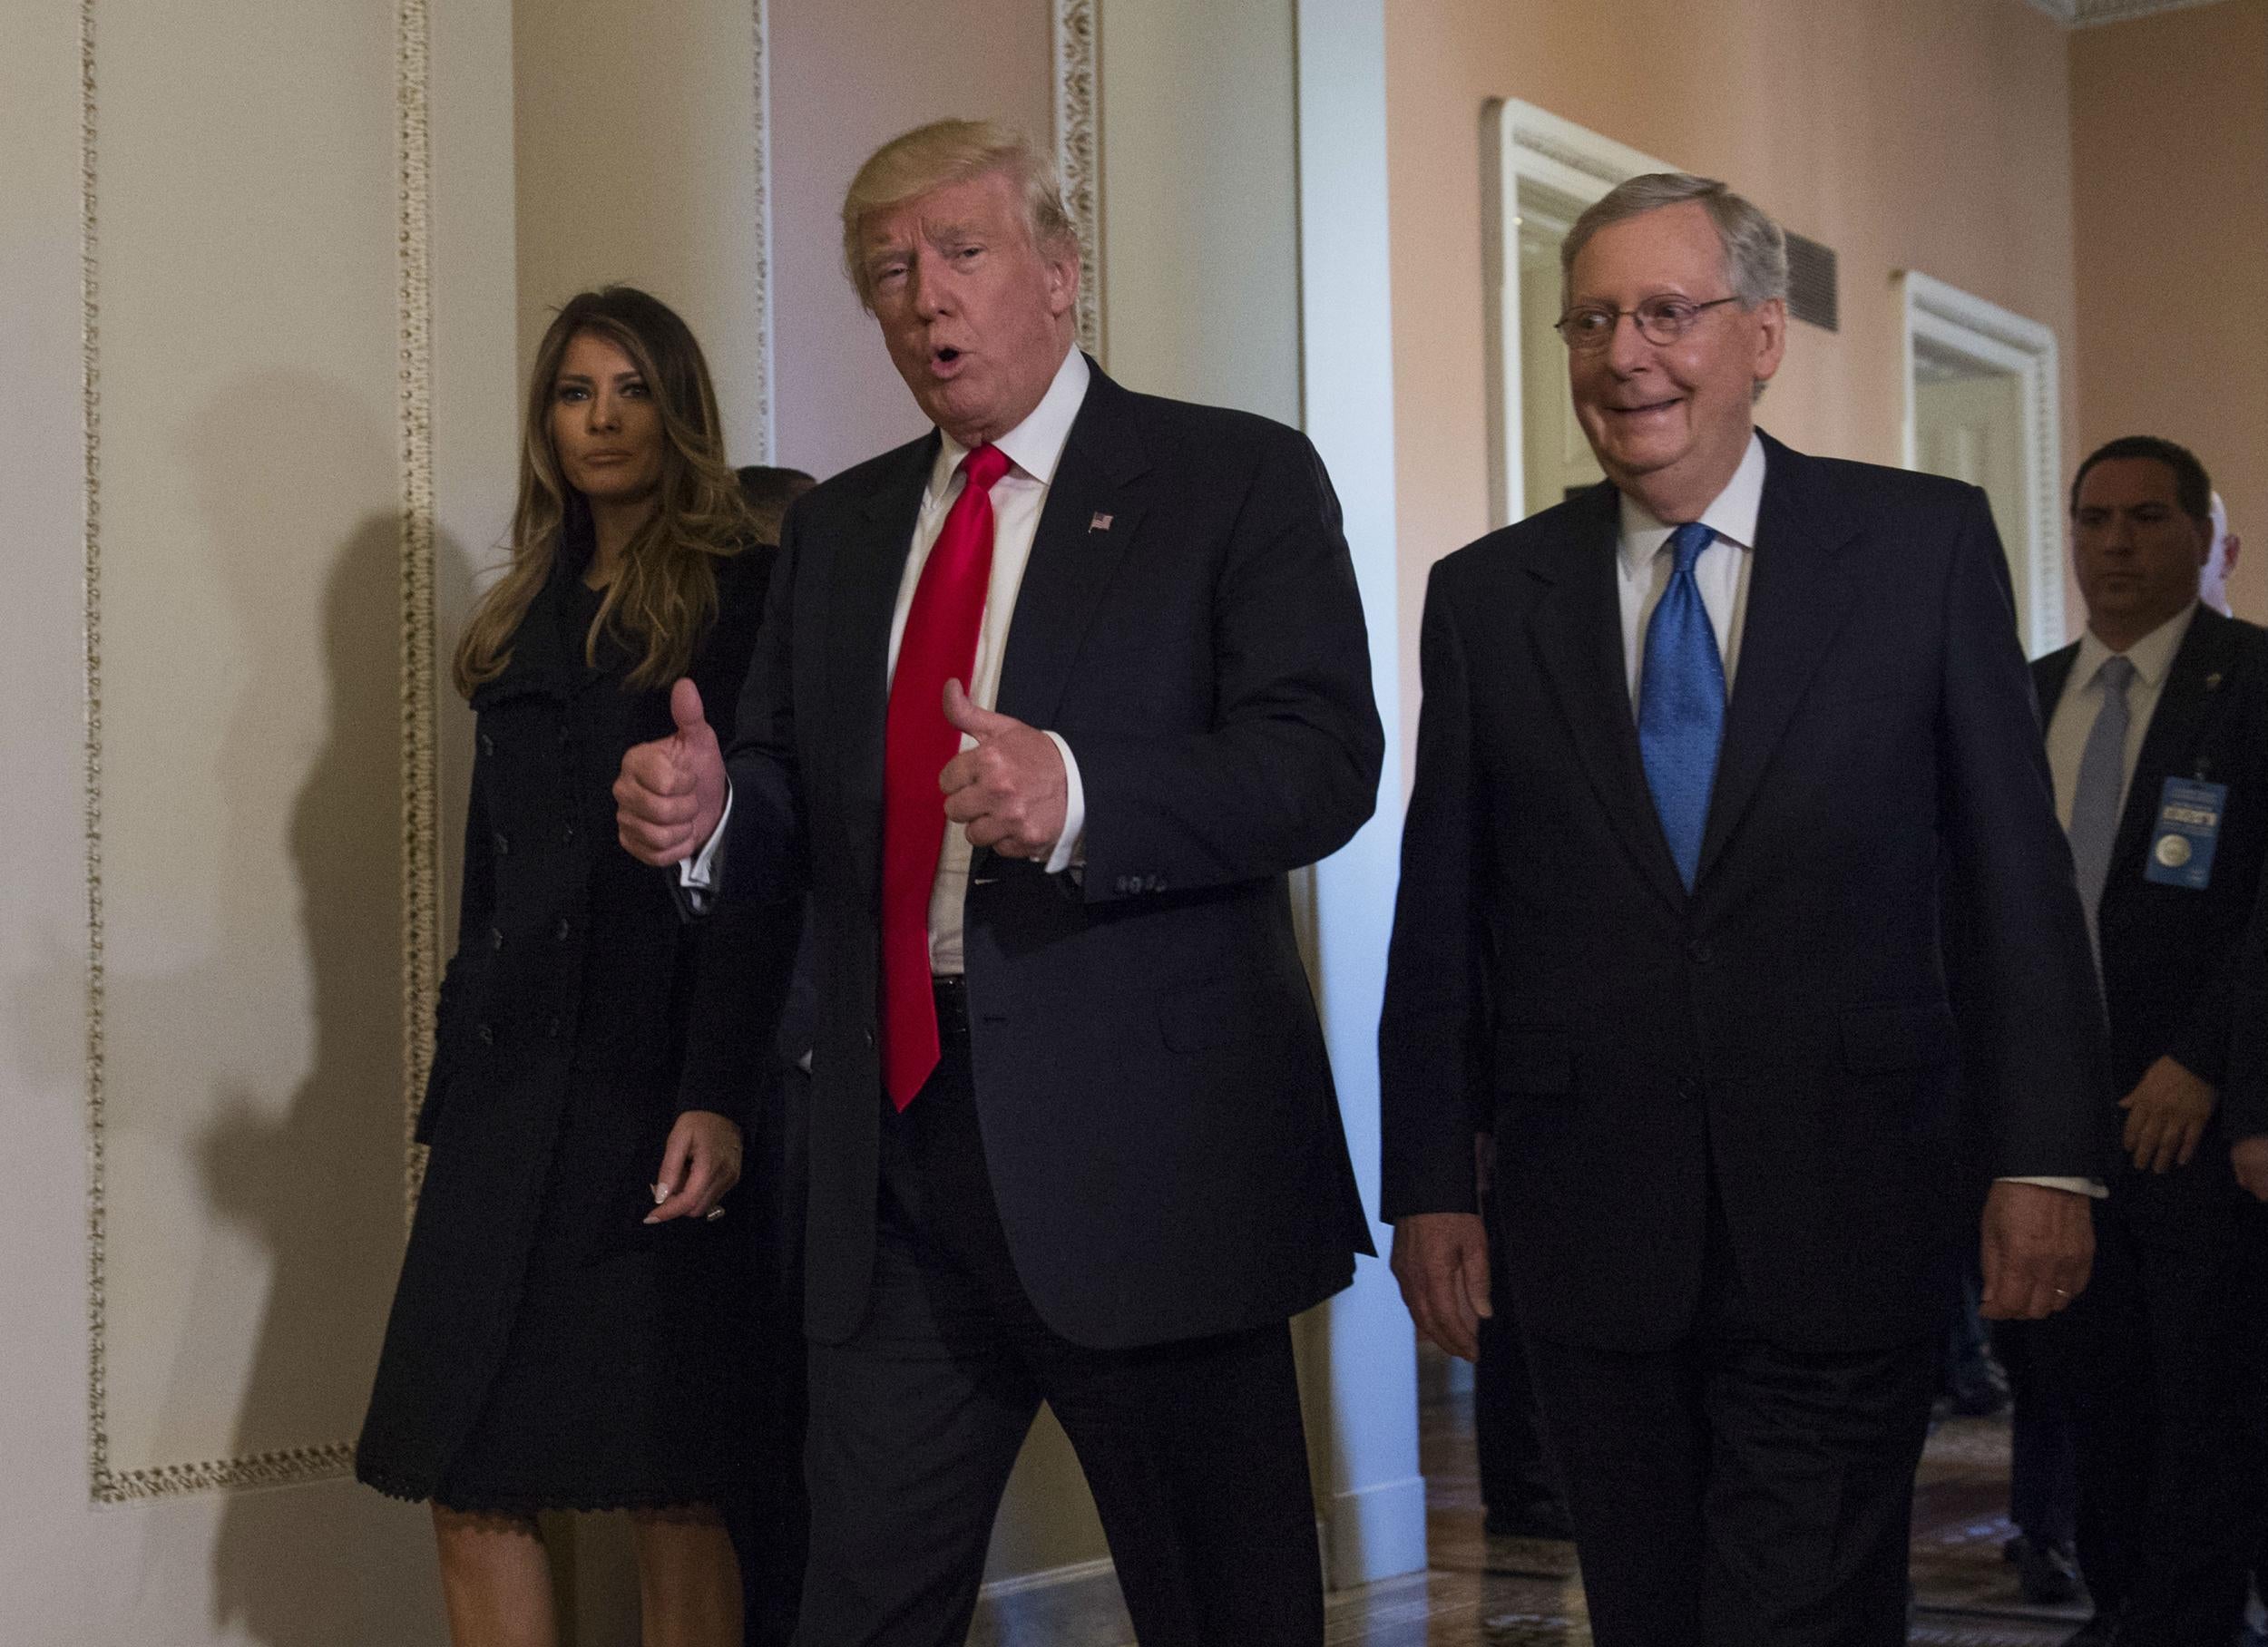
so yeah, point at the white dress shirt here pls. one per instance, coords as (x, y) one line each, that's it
(2073, 717)
(1032, 448)
(1721, 570)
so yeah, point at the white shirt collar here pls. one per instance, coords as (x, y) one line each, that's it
(1732, 515)
(1035, 446)
(2151, 656)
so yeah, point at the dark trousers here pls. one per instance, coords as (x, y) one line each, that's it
(1194, 1450)
(1516, 1473)
(1727, 1492)
(2043, 1479)
(2169, 1344)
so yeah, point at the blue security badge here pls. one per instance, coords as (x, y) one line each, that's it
(2189, 825)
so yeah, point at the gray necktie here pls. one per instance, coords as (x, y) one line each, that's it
(2095, 803)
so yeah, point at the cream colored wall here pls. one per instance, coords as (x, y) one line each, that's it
(1930, 135)
(243, 322)
(636, 152)
(2170, 180)
(848, 75)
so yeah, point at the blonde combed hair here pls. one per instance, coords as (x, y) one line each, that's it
(663, 595)
(945, 152)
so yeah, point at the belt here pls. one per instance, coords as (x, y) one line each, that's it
(952, 1006)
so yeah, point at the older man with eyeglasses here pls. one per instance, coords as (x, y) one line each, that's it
(1732, 859)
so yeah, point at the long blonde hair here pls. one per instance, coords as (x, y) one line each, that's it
(663, 595)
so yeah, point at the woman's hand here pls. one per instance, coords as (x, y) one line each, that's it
(698, 1165)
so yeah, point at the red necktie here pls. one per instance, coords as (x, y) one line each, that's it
(939, 644)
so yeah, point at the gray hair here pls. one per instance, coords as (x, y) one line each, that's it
(1755, 251)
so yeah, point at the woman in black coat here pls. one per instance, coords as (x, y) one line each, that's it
(571, 1329)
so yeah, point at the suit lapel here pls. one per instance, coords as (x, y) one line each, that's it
(2050, 675)
(2191, 694)
(1577, 627)
(1800, 591)
(862, 595)
(1073, 560)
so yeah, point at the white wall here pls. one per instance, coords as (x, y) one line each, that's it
(246, 333)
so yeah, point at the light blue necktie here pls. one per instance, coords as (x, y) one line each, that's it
(1681, 705)
(2095, 803)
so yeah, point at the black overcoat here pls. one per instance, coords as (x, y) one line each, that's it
(558, 1067)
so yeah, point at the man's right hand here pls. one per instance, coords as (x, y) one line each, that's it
(2249, 1157)
(671, 792)
(1442, 1259)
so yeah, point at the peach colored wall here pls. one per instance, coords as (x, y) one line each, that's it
(846, 76)
(1933, 135)
(2169, 156)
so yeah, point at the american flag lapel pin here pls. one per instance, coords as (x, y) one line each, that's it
(1099, 522)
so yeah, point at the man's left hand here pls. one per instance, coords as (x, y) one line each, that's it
(1009, 792)
(2039, 1250)
(2166, 1114)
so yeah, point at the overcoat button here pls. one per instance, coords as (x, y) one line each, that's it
(561, 931)
(487, 1034)
(495, 938)
(503, 844)
(488, 744)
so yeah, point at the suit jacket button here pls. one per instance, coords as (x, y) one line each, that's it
(553, 1028)
(487, 1034)
(488, 744)
(1689, 1090)
(503, 844)
(564, 929)
(568, 835)
(495, 938)
(1699, 950)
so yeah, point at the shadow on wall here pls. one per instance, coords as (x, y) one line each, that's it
(315, 1183)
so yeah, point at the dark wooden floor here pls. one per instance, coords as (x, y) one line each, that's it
(1483, 1592)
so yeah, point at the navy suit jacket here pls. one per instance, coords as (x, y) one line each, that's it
(1785, 1036)
(1159, 1114)
(2170, 953)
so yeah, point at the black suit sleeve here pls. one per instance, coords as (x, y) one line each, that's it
(2245, 1090)
(1288, 771)
(743, 954)
(2039, 1066)
(1431, 1036)
(764, 838)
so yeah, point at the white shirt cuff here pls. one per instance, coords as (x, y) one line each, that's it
(2076, 1186)
(699, 874)
(1069, 844)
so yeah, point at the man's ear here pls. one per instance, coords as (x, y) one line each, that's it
(1063, 271)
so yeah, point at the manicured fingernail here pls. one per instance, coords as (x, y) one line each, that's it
(653, 1218)
(660, 1193)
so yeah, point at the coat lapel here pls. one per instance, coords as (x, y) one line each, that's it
(862, 580)
(2050, 675)
(1577, 627)
(2191, 695)
(1073, 559)
(1800, 591)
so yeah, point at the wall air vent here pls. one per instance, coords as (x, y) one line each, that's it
(1810, 282)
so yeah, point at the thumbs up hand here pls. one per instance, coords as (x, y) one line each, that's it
(1009, 792)
(671, 793)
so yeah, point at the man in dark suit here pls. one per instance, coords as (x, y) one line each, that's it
(1073, 1135)
(2157, 736)
(1704, 754)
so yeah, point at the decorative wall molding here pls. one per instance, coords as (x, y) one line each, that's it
(761, 297)
(2087, 14)
(1079, 151)
(420, 921)
(1953, 320)
(1556, 164)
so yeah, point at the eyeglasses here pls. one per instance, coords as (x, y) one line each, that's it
(1661, 321)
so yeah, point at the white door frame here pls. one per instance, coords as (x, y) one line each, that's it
(1532, 147)
(1963, 323)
